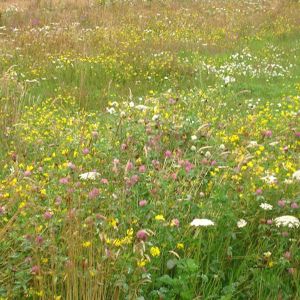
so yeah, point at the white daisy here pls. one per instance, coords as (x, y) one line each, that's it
(202, 223)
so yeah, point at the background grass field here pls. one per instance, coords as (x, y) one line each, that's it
(181, 110)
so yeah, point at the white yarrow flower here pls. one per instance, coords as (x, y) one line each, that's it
(89, 176)
(289, 221)
(202, 223)
(266, 206)
(241, 223)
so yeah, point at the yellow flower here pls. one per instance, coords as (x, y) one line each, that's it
(44, 260)
(141, 263)
(86, 244)
(39, 228)
(113, 223)
(159, 218)
(180, 246)
(40, 293)
(155, 251)
(271, 264)
(22, 204)
(138, 161)
(117, 242)
(129, 232)
(29, 168)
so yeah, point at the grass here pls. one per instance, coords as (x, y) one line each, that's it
(180, 110)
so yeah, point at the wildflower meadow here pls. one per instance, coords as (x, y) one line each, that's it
(149, 150)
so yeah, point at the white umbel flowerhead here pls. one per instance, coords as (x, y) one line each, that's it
(241, 223)
(266, 206)
(287, 221)
(296, 175)
(89, 175)
(202, 223)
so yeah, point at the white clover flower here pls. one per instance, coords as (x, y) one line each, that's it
(289, 221)
(194, 138)
(193, 148)
(202, 223)
(241, 223)
(131, 104)
(155, 117)
(296, 175)
(122, 114)
(222, 147)
(89, 176)
(266, 206)
(207, 154)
